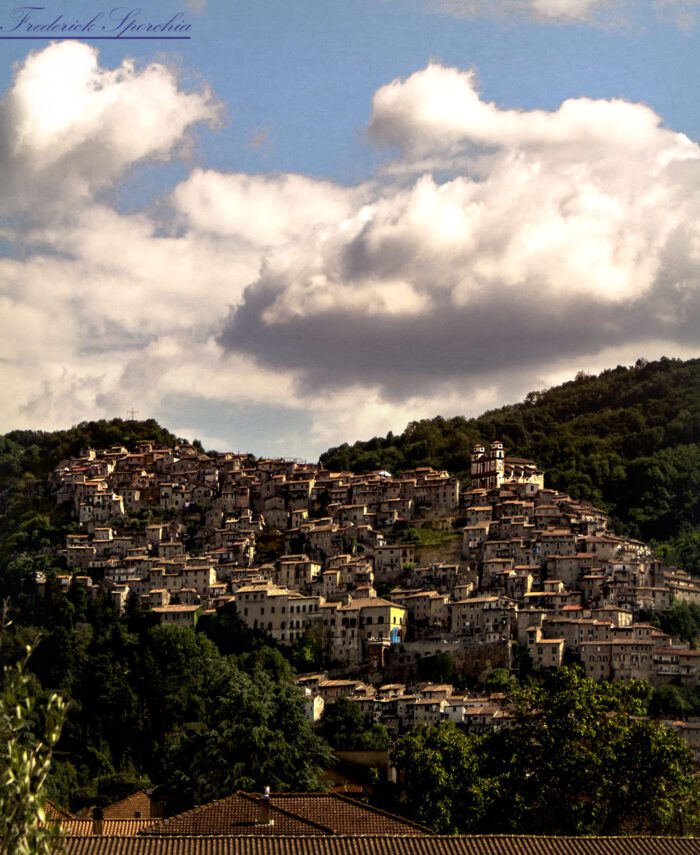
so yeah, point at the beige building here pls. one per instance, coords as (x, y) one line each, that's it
(389, 561)
(488, 618)
(296, 572)
(285, 615)
(544, 652)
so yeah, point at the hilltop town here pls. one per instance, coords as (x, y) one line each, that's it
(508, 565)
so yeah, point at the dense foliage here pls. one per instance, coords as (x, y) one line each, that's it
(681, 621)
(163, 705)
(29, 730)
(343, 726)
(627, 440)
(578, 759)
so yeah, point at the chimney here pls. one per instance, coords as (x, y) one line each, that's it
(97, 821)
(264, 808)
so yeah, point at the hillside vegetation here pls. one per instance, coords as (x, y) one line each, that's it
(199, 713)
(203, 711)
(627, 440)
(29, 519)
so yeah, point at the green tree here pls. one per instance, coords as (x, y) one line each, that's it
(251, 733)
(343, 727)
(681, 621)
(25, 759)
(669, 701)
(437, 668)
(230, 634)
(499, 680)
(442, 778)
(577, 758)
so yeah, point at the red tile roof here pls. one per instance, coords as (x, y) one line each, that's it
(53, 812)
(307, 814)
(136, 806)
(457, 845)
(110, 827)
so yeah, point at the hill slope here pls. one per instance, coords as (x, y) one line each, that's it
(627, 439)
(29, 519)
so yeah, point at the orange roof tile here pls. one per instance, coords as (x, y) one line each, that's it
(312, 814)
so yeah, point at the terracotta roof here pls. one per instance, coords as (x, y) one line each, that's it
(295, 814)
(53, 812)
(457, 845)
(110, 827)
(136, 806)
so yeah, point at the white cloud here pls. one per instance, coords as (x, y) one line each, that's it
(70, 127)
(439, 109)
(536, 241)
(568, 9)
(599, 13)
(265, 210)
(574, 228)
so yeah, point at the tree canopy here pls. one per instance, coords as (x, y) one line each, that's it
(577, 758)
(164, 706)
(30, 726)
(343, 727)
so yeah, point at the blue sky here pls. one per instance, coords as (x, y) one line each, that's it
(305, 71)
(453, 242)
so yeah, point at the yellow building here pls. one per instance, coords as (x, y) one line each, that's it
(348, 627)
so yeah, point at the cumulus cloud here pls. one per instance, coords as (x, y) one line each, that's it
(87, 290)
(267, 210)
(101, 311)
(575, 229)
(499, 250)
(69, 127)
(439, 110)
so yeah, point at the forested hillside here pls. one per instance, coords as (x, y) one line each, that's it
(627, 440)
(198, 712)
(29, 519)
(201, 711)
